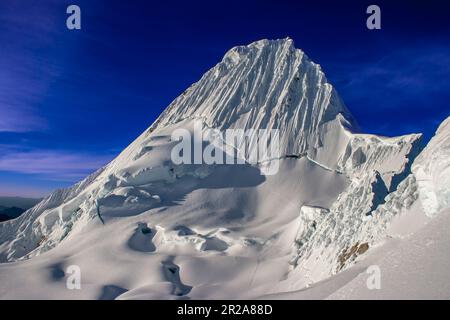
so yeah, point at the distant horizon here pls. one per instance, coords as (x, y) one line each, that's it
(19, 197)
(72, 100)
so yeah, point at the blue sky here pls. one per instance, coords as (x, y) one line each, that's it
(70, 101)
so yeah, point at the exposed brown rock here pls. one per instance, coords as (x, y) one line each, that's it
(351, 254)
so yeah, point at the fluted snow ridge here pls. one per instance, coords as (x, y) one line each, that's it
(268, 84)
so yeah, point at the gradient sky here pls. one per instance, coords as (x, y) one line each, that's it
(70, 101)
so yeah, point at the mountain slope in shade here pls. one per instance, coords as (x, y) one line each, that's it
(11, 212)
(12, 207)
(19, 202)
(143, 227)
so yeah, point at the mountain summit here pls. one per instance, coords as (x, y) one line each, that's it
(268, 84)
(144, 227)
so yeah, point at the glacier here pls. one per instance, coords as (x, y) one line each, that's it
(227, 231)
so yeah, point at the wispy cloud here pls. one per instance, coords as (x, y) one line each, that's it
(26, 74)
(411, 71)
(20, 120)
(52, 165)
(20, 92)
(11, 190)
(405, 90)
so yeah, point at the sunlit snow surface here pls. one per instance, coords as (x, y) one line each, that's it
(144, 228)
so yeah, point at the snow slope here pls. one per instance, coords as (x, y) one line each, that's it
(411, 267)
(412, 256)
(143, 227)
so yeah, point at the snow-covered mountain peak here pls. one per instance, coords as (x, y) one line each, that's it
(260, 45)
(268, 84)
(143, 216)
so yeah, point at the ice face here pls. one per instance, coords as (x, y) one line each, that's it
(432, 171)
(265, 85)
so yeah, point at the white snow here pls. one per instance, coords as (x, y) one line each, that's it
(144, 228)
(432, 169)
(413, 267)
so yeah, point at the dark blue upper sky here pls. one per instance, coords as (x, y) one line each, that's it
(71, 100)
